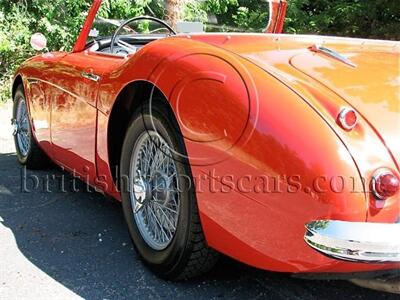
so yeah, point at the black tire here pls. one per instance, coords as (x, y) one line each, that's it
(35, 158)
(187, 255)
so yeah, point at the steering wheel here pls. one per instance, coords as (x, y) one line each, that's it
(126, 45)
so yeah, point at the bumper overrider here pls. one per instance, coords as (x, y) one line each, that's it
(355, 241)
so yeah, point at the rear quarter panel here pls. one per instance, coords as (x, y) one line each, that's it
(240, 124)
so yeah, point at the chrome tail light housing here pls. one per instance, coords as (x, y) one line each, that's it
(384, 184)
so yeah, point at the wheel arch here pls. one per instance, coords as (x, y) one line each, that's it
(16, 83)
(130, 98)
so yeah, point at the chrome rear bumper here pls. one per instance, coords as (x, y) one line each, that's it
(355, 241)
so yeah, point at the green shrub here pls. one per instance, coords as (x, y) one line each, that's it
(14, 38)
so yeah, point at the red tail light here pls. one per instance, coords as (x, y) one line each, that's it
(385, 184)
(347, 118)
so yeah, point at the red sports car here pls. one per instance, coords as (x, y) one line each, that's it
(281, 151)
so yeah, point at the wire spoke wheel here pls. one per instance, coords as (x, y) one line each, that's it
(154, 193)
(29, 153)
(158, 197)
(22, 130)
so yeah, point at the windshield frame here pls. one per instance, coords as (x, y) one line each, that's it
(277, 12)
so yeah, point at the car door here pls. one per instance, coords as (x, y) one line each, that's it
(74, 92)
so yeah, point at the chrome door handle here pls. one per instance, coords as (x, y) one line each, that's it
(90, 76)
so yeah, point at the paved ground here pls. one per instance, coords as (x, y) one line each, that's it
(67, 245)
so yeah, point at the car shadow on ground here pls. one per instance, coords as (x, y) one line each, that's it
(78, 237)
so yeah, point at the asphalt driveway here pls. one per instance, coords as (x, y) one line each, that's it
(70, 242)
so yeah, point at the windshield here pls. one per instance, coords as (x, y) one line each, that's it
(212, 15)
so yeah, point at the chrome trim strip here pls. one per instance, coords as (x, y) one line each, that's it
(90, 76)
(333, 54)
(355, 241)
(92, 52)
(32, 81)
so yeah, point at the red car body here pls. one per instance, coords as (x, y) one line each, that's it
(248, 105)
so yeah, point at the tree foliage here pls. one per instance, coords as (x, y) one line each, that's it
(378, 19)
(61, 20)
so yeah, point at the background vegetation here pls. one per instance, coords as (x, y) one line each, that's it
(60, 21)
